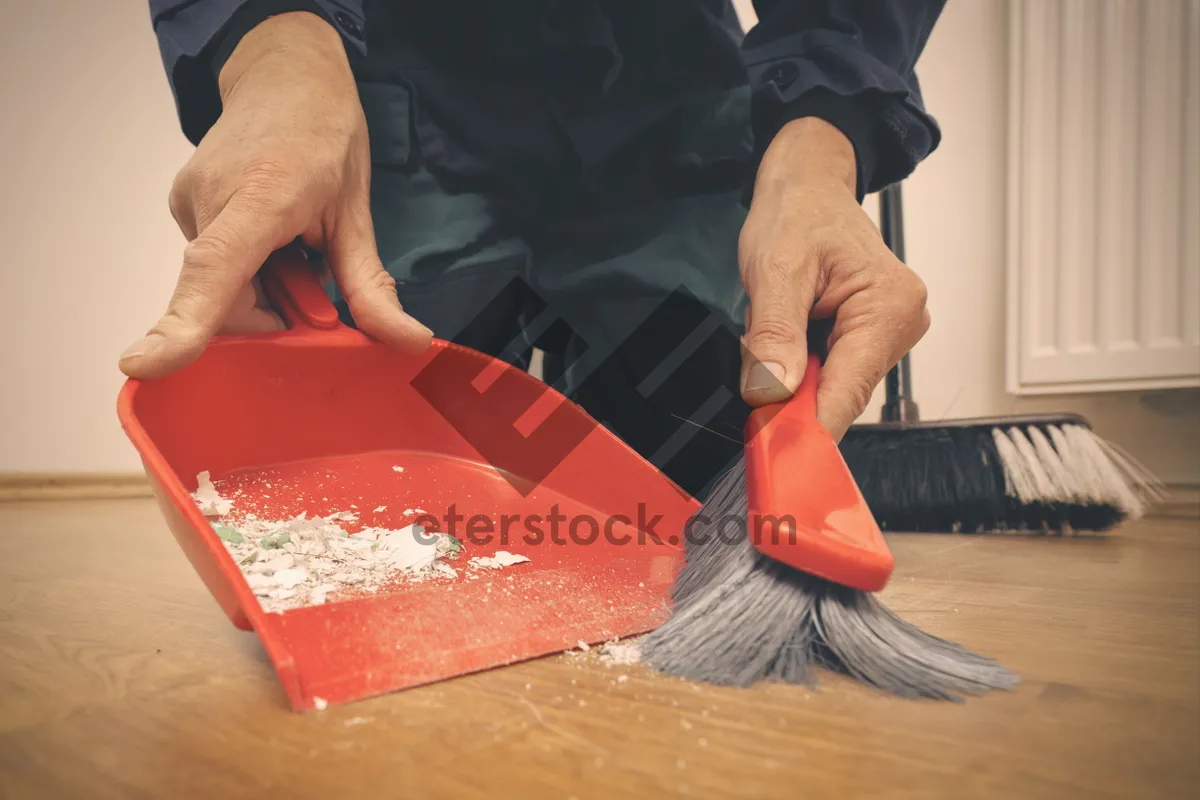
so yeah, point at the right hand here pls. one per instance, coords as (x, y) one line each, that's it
(288, 157)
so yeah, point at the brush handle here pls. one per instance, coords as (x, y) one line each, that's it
(898, 405)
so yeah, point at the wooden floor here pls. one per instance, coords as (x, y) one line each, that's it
(120, 677)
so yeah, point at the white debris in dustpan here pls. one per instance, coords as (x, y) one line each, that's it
(304, 561)
(503, 558)
(209, 499)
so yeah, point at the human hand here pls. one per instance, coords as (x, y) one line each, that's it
(809, 250)
(288, 157)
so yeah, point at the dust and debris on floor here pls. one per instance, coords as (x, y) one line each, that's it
(307, 561)
(613, 653)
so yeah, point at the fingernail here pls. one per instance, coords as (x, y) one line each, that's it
(418, 323)
(765, 375)
(144, 347)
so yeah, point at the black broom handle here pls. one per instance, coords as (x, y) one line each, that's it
(898, 405)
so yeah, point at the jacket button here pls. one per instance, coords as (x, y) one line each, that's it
(783, 74)
(348, 24)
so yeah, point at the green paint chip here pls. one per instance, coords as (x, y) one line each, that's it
(227, 534)
(449, 544)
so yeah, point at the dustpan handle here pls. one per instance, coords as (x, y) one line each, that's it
(294, 289)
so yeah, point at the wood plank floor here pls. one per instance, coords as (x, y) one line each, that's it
(120, 677)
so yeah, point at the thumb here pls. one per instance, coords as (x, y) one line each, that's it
(217, 266)
(776, 344)
(371, 292)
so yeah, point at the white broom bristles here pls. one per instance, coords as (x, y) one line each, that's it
(1071, 464)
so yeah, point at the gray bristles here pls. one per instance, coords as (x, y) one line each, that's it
(741, 617)
(1071, 464)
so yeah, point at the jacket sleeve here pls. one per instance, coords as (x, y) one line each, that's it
(195, 37)
(851, 63)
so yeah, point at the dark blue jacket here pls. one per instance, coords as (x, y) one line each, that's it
(850, 62)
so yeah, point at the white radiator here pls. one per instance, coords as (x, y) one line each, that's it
(1104, 195)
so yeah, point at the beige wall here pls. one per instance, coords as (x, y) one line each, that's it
(88, 148)
(90, 144)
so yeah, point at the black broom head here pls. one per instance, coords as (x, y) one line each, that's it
(1032, 473)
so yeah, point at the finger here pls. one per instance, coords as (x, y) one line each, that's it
(248, 316)
(917, 332)
(370, 291)
(857, 363)
(870, 343)
(179, 201)
(781, 295)
(261, 300)
(217, 265)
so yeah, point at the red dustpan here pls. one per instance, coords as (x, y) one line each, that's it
(320, 419)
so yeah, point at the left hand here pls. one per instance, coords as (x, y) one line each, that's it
(808, 249)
